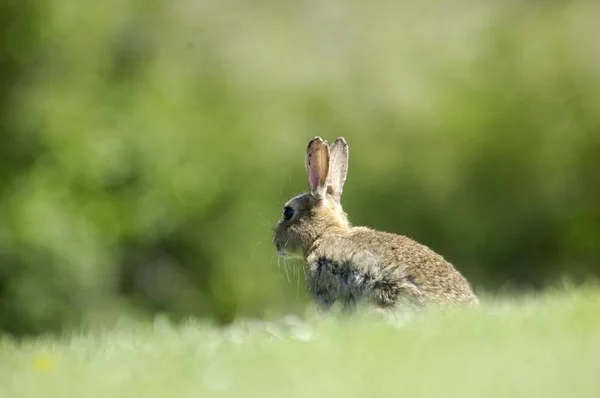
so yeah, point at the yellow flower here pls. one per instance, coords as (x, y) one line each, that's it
(43, 364)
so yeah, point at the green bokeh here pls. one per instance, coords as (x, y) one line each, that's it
(146, 147)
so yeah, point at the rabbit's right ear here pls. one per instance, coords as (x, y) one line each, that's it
(339, 168)
(317, 167)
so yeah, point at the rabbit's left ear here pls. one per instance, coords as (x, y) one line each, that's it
(338, 169)
(317, 167)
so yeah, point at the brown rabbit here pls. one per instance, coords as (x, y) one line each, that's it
(358, 264)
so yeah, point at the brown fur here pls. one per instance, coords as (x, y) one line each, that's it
(352, 264)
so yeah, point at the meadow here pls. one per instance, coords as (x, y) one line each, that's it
(536, 346)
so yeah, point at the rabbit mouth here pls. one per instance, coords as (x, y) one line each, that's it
(286, 249)
(281, 251)
(289, 254)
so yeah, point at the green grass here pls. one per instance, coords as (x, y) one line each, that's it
(539, 346)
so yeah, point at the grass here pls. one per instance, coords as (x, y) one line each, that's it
(539, 346)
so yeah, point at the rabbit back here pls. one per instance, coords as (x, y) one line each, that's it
(385, 269)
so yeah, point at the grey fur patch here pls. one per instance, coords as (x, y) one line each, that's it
(340, 280)
(413, 280)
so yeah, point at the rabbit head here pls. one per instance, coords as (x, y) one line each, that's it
(308, 216)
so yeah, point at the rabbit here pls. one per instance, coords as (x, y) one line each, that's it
(353, 264)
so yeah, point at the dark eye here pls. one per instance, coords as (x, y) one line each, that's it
(288, 213)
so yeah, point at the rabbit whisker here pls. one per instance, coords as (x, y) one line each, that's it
(264, 220)
(285, 266)
(272, 257)
(297, 285)
(256, 246)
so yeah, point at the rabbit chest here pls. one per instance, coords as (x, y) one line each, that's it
(330, 279)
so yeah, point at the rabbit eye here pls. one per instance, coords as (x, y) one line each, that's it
(288, 213)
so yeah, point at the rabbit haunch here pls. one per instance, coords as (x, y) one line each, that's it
(354, 264)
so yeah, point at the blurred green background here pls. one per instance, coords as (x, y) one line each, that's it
(146, 147)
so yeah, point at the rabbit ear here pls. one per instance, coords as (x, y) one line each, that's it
(317, 167)
(338, 168)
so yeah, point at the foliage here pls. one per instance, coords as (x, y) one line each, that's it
(147, 147)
